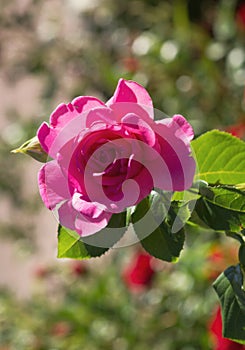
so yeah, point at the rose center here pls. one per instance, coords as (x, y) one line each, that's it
(106, 156)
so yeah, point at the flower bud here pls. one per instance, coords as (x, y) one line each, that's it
(32, 148)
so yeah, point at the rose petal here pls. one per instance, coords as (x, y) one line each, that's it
(90, 209)
(179, 125)
(73, 220)
(85, 227)
(184, 126)
(144, 177)
(85, 103)
(46, 136)
(102, 114)
(130, 96)
(140, 127)
(60, 121)
(57, 139)
(53, 185)
(67, 215)
(130, 91)
(176, 154)
(64, 113)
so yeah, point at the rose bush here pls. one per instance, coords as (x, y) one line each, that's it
(107, 157)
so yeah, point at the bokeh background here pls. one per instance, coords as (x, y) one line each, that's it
(190, 55)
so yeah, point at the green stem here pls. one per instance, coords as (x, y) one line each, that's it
(192, 191)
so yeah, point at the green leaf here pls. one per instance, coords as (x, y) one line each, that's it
(227, 197)
(241, 255)
(71, 245)
(177, 211)
(219, 218)
(159, 241)
(33, 149)
(229, 287)
(111, 234)
(186, 196)
(222, 207)
(220, 158)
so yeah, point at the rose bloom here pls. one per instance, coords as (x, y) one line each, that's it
(109, 156)
(215, 330)
(139, 274)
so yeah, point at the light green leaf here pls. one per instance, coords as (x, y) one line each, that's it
(71, 245)
(229, 287)
(220, 158)
(186, 196)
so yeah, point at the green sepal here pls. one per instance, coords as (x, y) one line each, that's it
(33, 149)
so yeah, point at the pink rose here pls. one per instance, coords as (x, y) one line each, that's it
(107, 157)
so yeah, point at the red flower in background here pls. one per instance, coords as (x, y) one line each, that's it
(218, 257)
(61, 329)
(237, 130)
(215, 329)
(41, 271)
(131, 64)
(139, 274)
(240, 16)
(78, 268)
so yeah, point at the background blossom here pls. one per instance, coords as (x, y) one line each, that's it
(139, 273)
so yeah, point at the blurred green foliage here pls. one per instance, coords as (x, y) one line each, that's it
(95, 310)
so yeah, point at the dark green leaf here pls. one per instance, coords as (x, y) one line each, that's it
(157, 238)
(220, 158)
(241, 254)
(177, 211)
(229, 287)
(71, 245)
(225, 196)
(219, 218)
(110, 235)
